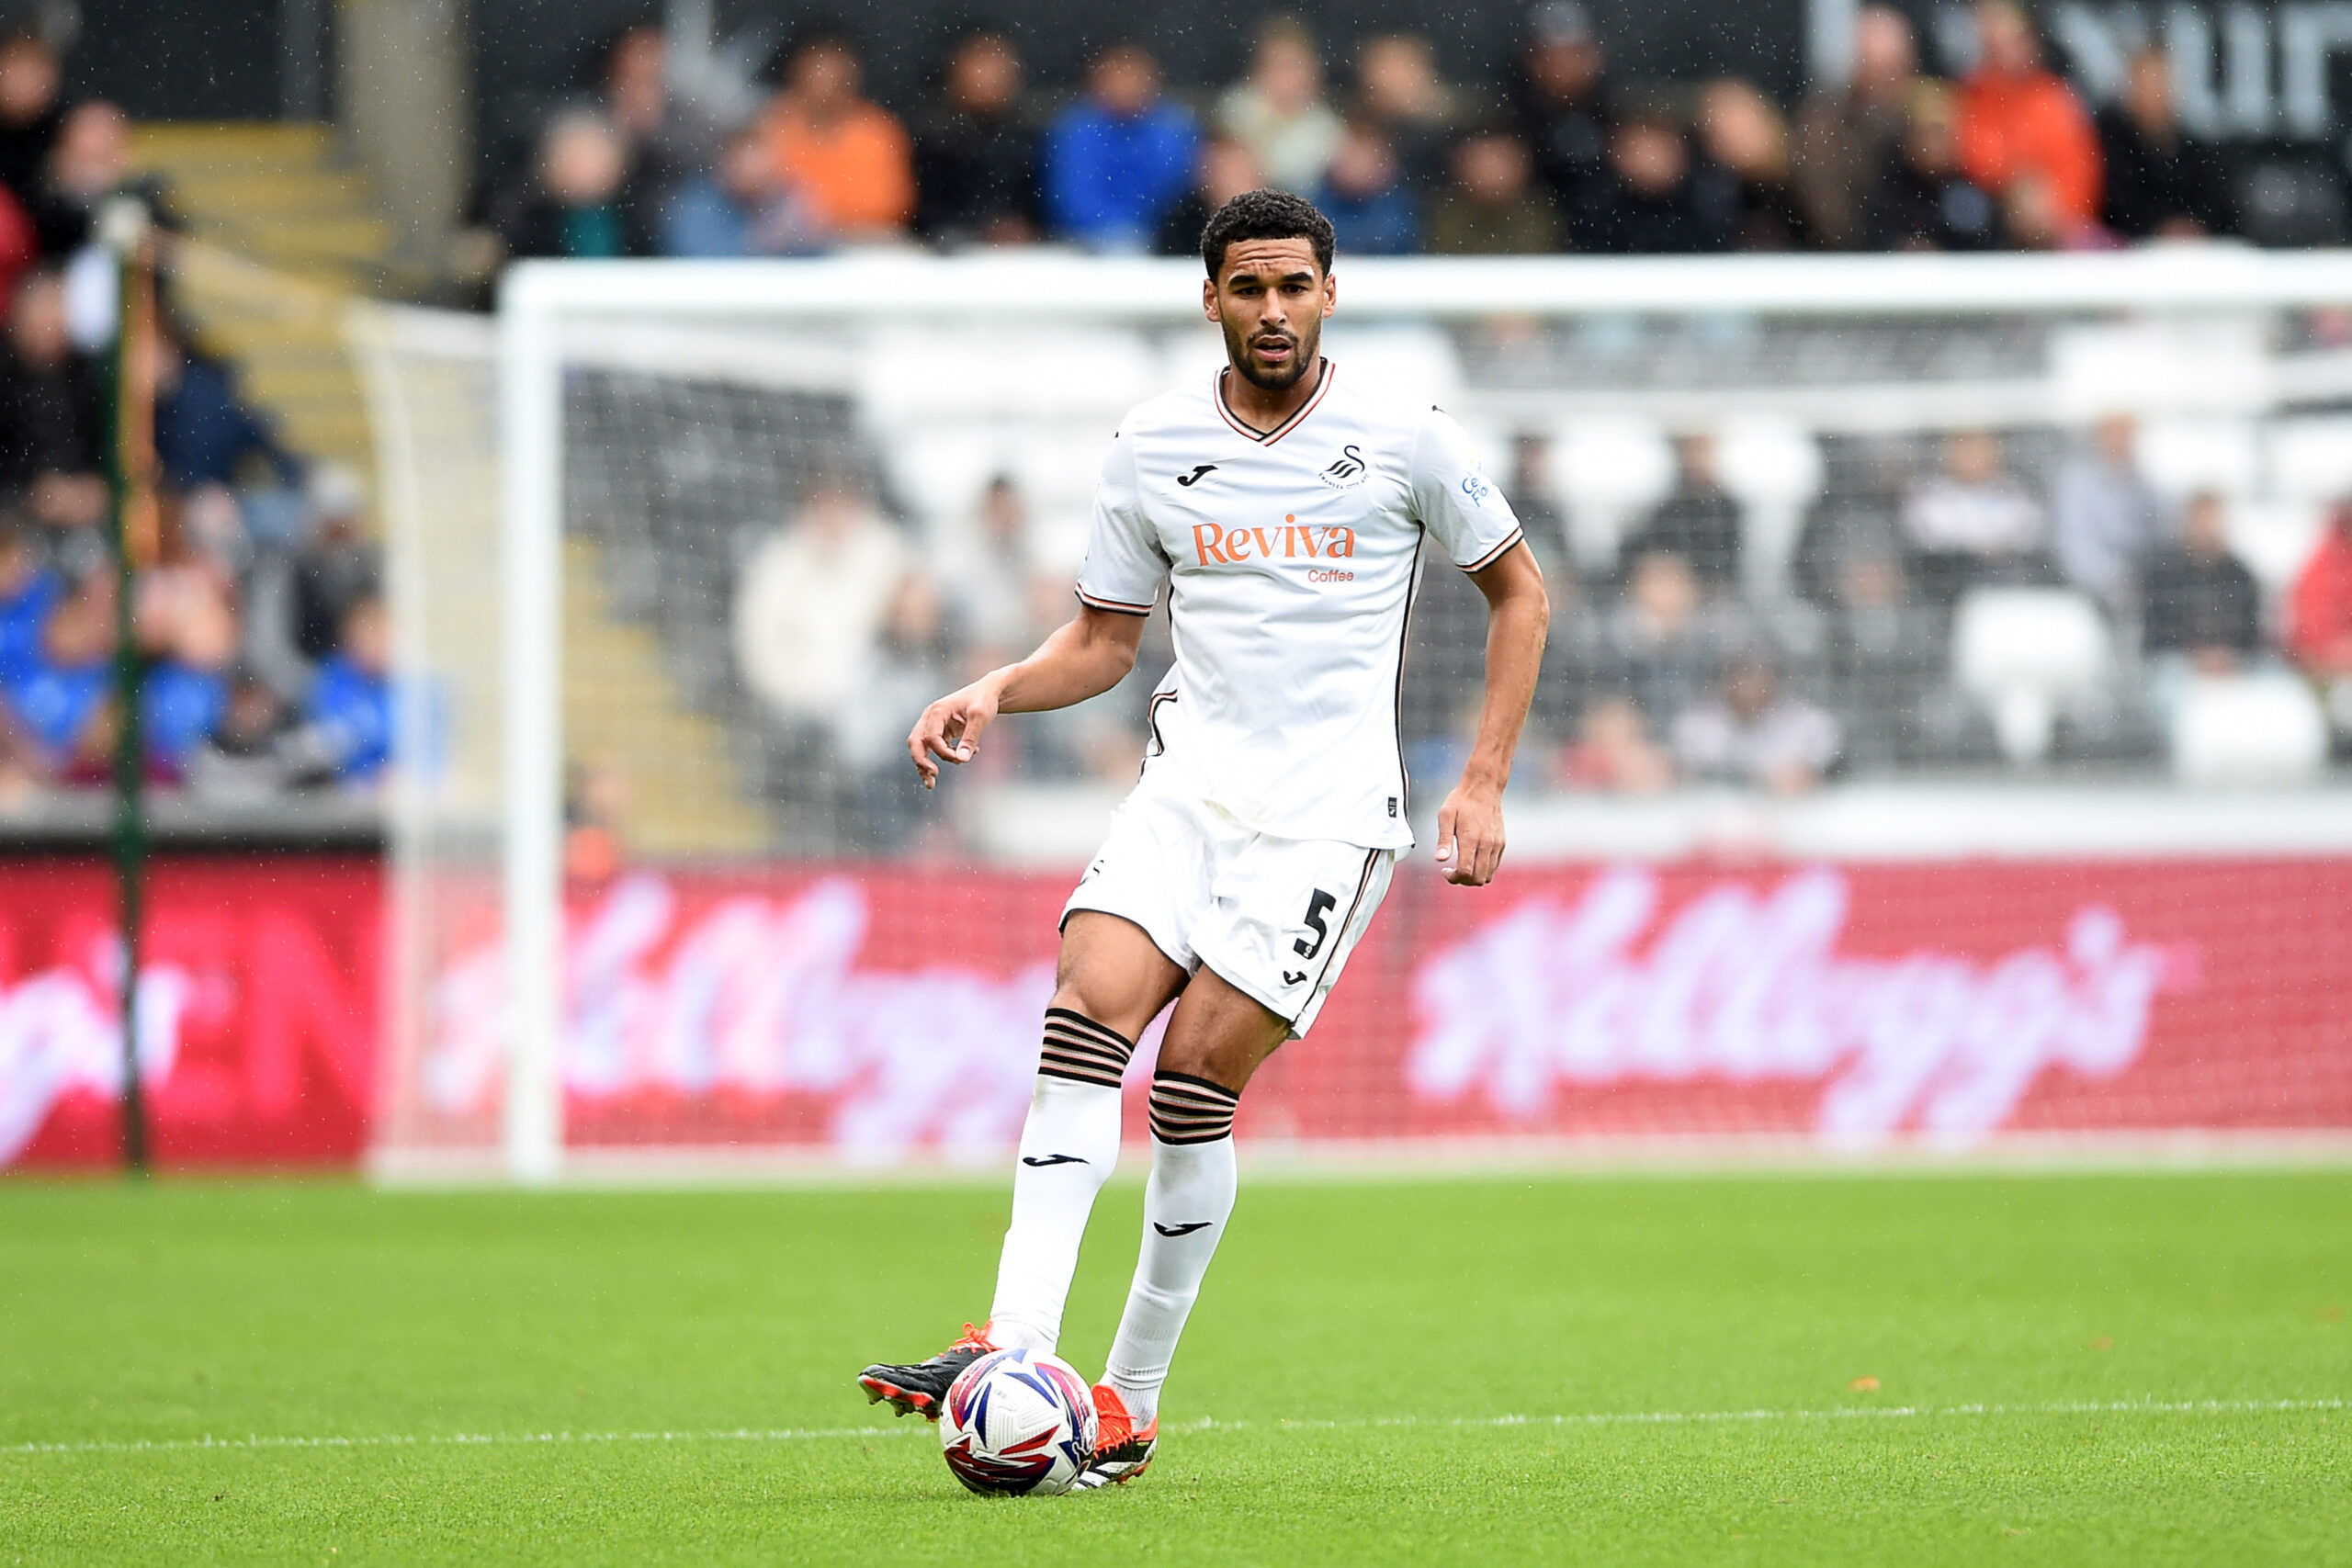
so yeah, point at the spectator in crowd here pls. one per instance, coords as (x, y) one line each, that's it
(1534, 498)
(1365, 195)
(1560, 99)
(30, 591)
(1495, 207)
(1613, 751)
(300, 592)
(907, 663)
(52, 412)
(188, 623)
(572, 204)
(1921, 200)
(1227, 168)
(2318, 617)
(1698, 522)
(1398, 90)
(246, 755)
(1665, 642)
(1885, 652)
(849, 158)
(1847, 135)
(1976, 521)
(998, 602)
(2204, 609)
(59, 701)
(2162, 184)
(348, 709)
(32, 113)
(2107, 520)
(1645, 203)
(666, 143)
(1118, 159)
(205, 431)
(740, 208)
(1278, 110)
(1744, 182)
(976, 162)
(1751, 732)
(812, 598)
(89, 162)
(2018, 120)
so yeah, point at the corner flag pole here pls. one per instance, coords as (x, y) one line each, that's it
(135, 529)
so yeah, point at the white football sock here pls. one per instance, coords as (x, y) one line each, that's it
(1186, 1207)
(1067, 1147)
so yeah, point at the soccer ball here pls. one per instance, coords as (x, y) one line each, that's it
(1018, 1423)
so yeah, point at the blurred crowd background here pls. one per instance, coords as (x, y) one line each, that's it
(262, 635)
(1559, 153)
(838, 603)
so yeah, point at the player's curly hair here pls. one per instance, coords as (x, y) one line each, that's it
(1267, 215)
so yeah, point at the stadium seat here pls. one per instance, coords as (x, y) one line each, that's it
(2213, 363)
(2248, 730)
(2311, 459)
(2025, 654)
(2275, 538)
(2188, 452)
(1415, 362)
(1610, 471)
(1773, 469)
(938, 472)
(907, 376)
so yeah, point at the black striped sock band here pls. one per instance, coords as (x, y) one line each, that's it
(1186, 1109)
(1083, 1051)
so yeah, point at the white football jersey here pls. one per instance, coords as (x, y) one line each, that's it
(1291, 559)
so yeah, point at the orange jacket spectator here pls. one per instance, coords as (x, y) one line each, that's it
(2319, 607)
(857, 172)
(850, 160)
(2016, 118)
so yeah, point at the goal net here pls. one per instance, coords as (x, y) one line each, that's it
(1928, 748)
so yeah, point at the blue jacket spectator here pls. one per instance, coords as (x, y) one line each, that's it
(1117, 161)
(55, 703)
(203, 430)
(1365, 197)
(29, 592)
(350, 704)
(353, 710)
(179, 707)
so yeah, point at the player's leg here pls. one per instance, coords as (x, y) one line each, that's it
(1112, 980)
(1213, 1045)
(1286, 916)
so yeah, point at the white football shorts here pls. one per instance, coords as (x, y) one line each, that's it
(1274, 918)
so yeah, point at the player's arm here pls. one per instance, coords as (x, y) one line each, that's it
(1470, 823)
(1084, 658)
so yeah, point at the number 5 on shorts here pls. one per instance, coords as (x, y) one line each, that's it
(1318, 906)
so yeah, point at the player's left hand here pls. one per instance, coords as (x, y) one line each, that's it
(1470, 835)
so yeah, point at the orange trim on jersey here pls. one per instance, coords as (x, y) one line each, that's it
(1120, 605)
(1268, 437)
(1491, 557)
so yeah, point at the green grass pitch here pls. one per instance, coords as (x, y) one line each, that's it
(2076, 1369)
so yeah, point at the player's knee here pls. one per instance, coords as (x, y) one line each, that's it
(1212, 1061)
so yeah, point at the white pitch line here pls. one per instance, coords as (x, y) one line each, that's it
(1211, 1425)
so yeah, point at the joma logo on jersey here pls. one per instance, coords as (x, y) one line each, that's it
(1348, 471)
(1291, 541)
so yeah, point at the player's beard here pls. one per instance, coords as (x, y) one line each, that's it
(1302, 355)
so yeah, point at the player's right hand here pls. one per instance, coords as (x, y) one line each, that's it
(950, 729)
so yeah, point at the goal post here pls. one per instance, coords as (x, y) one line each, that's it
(621, 384)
